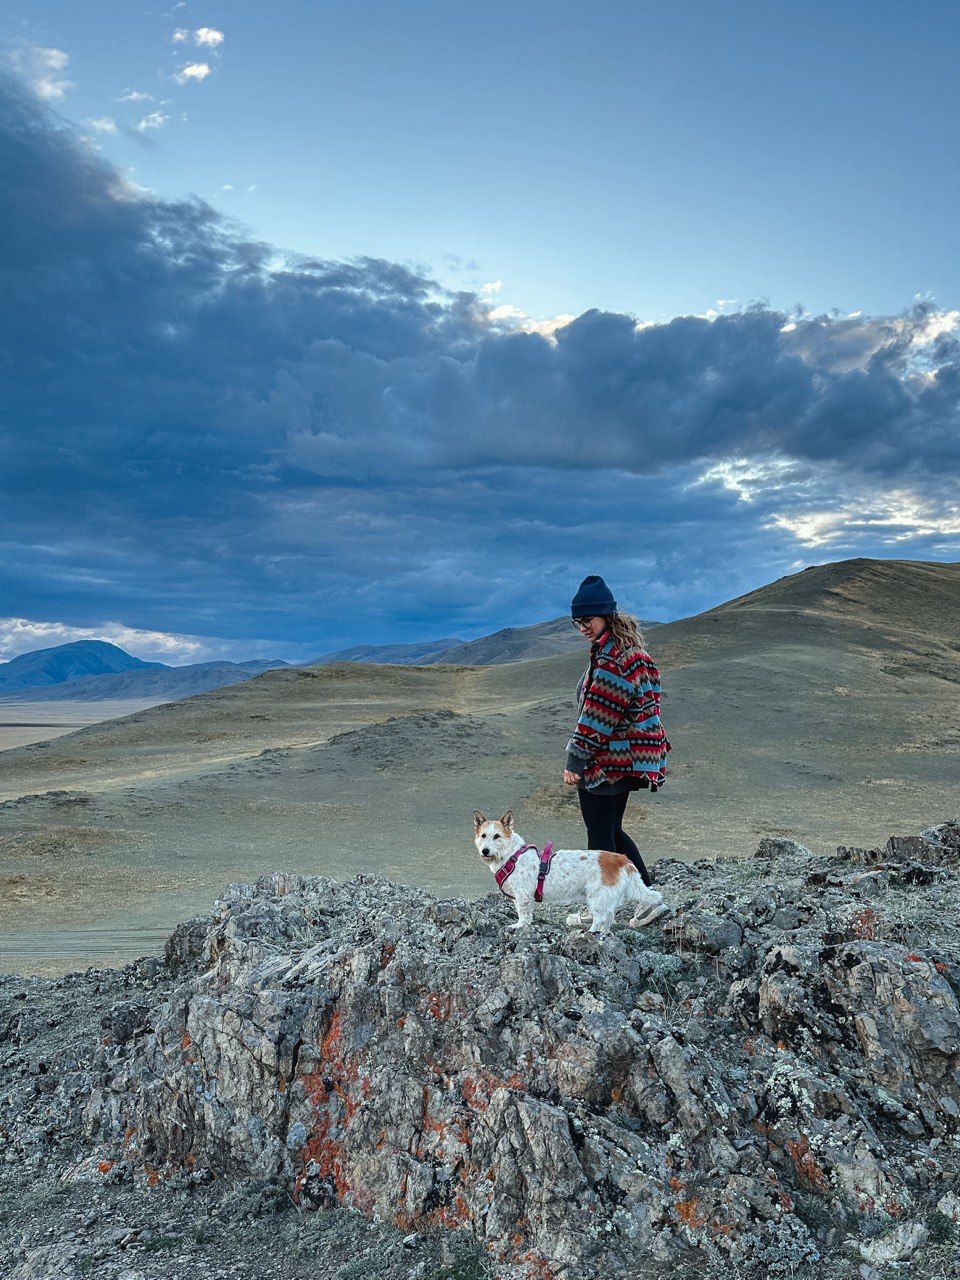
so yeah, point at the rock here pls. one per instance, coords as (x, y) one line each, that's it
(777, 847)
(702, 931)
(949, 1206)
(772, 1079)
(48, 1262)
(896, 1246)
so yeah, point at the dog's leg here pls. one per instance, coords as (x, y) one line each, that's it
(601, 908)
(524, 913)
(601, 922)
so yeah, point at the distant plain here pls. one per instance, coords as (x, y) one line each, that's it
(824, 707)
(25, 722)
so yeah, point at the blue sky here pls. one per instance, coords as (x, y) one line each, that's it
(332, 323)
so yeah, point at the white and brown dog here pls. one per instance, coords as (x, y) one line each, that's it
(600, 880)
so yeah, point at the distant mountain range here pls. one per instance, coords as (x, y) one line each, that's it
(67, 662)
(423, 653)
(511, 644)
(93, 671)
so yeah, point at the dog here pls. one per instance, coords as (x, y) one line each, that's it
(601, 880)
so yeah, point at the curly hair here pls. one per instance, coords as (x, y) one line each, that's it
(625, 629)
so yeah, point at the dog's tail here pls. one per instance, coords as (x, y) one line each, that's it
(637, 891)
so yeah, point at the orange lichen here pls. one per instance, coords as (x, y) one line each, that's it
(536, 1266)
(186, 1042)
(687, 1213)
(439, 1007)
(808, 1171)
(330, 1044)
(104, 1166)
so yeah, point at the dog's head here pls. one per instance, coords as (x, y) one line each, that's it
(492, 838)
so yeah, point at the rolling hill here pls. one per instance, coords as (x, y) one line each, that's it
(395, 654)
(514, 644)
(824, 706)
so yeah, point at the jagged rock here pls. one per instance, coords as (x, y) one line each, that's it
(949, 1206)
(772, 1074)
(48, 1262)
(777, 847)
(698, 930)
(896, 1246)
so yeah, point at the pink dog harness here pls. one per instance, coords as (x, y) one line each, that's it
(506, 871)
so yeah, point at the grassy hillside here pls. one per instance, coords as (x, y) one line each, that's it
(824, 706)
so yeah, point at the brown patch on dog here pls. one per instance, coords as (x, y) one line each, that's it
(611, 865)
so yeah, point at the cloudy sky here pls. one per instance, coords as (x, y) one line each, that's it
(327, 324)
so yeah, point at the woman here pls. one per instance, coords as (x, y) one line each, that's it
(618, 745)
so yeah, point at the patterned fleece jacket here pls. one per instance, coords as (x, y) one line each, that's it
(619, 733)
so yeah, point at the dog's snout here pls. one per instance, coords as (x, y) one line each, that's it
(485, 851)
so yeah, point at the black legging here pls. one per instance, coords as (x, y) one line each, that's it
(603, 816)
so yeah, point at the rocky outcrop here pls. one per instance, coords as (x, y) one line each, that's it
(770, 1080)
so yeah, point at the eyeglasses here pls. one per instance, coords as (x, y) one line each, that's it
(581, 623)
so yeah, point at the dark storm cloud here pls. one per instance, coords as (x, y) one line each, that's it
(200, 434)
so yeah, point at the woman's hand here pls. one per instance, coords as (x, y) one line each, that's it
(571, 779)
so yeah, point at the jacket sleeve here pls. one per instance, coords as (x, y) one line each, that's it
(606, 699)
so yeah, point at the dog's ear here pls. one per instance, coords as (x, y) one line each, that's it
(507, 820)
(478, 819)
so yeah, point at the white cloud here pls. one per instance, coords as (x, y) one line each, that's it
(252, 187)
(192, 71)
(102, 124)
(891, 516)
(155, 120)
(547, 327)
(180, 35)
(209, 36)
(134, 95)
(746, 477)
(20, 635)
(493, 286)
(506, 311)
(42, 68)
(522, 323)
(938, 323)
(227, 186)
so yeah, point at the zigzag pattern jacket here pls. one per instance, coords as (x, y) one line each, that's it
(619, 733)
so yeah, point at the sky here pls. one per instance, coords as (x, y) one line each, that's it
(334, 324)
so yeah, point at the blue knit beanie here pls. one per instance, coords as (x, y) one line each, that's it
(593, 597)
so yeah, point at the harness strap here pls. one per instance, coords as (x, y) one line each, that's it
(545, 860)
(503, 874)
